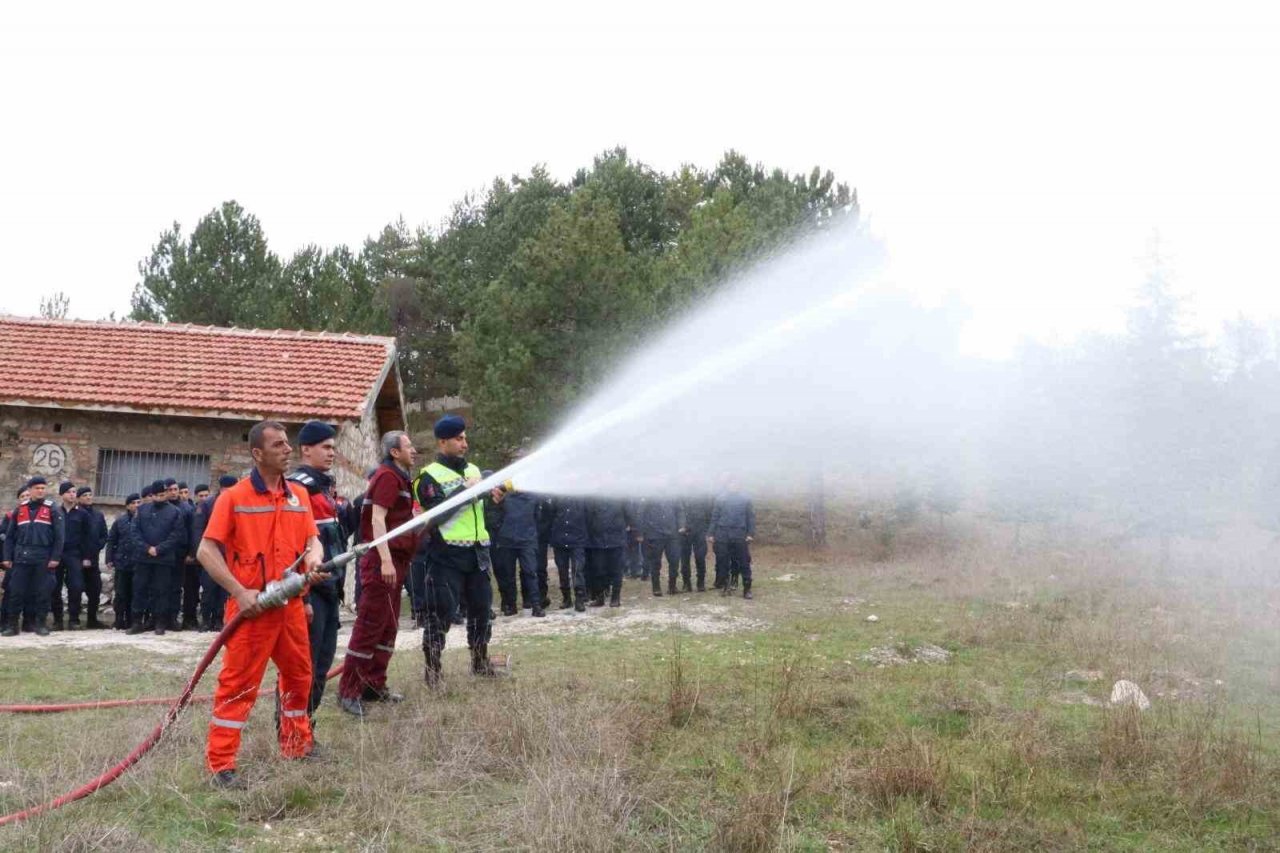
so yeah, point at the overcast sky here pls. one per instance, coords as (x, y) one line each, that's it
(1025, 160)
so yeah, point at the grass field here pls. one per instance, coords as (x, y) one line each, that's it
(779, 736)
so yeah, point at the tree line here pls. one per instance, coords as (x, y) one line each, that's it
(523, 298)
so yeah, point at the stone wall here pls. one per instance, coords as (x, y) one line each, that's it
(358, 449)
(63, 444)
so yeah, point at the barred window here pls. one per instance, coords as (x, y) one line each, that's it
(121, 472)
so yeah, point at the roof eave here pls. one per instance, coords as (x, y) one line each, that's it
(289, 417)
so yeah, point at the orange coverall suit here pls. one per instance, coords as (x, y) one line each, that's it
(262, 532)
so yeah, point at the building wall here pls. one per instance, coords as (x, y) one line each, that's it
(358, 446)
(64, 444)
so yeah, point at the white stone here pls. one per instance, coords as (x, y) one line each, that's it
(1127, 693)
(873, 618)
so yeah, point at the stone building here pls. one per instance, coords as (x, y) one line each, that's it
(117, 405)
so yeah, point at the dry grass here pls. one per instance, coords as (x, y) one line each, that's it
(781, 739)
(909, 768)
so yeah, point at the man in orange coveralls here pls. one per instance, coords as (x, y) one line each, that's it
(257, 530)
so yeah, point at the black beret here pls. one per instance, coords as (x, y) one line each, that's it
(147, 491)
(65, 486)
(226, 481)
(181, 485)
(134, 496)
(169, 481)
(82, 491)
(314, 432)
(157, 486)
(201, 487)
(37, 480)
(450, 426)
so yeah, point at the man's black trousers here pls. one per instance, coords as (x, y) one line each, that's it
(323, 632)
(461, 575)
(505, 562)
(693, 544)
(654, 549)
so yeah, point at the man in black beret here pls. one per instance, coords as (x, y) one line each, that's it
(32, 554)
(184, 590)
(213, 598)
(77, 527)
(317, 449)
(459, 566)
(120, 559)
(200, 492)
(95, 540)
(8, 614)
(157, 535)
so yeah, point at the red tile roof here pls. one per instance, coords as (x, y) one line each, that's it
(193, 370)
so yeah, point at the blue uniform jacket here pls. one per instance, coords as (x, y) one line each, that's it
(77, 533)
(35, 533)
(569, 523)
(732, 517)
(660, 519)
(158, 525)
(519, 525)
(607, 523)
(120, 543)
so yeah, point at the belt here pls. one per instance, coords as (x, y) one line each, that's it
(467, 544)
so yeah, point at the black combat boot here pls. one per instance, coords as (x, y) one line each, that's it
(432, 672)
(597, 600)
(615, 597)
(580, 603)
(746, 589)
(480, 663)
(139, 625)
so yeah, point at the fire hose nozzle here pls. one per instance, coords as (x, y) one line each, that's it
(342, 559)
(278, 593)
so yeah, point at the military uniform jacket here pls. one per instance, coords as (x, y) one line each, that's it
(35, 534)
(660, 519)
(158, 525)
(120, 544)
(732, 517)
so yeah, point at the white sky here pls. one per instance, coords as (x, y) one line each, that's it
(1023, 159)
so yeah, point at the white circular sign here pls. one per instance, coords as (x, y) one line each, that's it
(49, 459)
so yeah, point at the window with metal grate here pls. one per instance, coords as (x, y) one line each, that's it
(123, 471)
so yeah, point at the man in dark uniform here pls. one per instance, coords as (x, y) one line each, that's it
(91, 554)
(213, 598)
(569, 544)
(33, 552)
(633, 556)
(460, 564)
(546, 515)
(184, 590)
(387, 505)
(316, 447)
(608, 523)
(732, 528)
(158, 535)
(661, 522)
(200, 492)
(120, 561)
(515, 542)
(8, 612)
(70, 575)
(693, 542)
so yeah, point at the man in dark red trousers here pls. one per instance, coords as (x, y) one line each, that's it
(387, 505)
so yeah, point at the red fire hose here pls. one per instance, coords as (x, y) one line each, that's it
(103, 704)
(176, 705)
